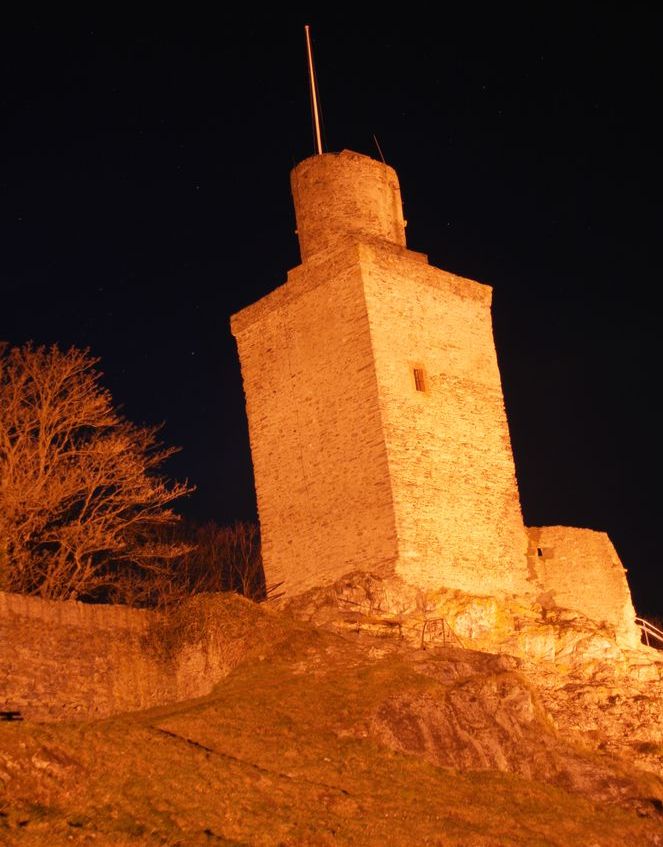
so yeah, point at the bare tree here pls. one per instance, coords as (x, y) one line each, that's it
(225, 558)
(241, 547)
(80, 495)
(217, 559)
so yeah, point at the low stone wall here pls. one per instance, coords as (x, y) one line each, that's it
(579, 569)
(61, 660)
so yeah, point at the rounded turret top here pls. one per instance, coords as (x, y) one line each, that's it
(345, 197)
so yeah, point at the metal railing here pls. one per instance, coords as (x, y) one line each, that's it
(437, 629)
(650, 632)
(448, 635)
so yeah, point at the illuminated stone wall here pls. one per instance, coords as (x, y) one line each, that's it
(319, 458)
(62, 660)
(343, 199)
(581, 570)
(71, 660)
(456, 502)
(354, 468)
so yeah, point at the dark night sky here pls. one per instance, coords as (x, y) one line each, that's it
(145, 198)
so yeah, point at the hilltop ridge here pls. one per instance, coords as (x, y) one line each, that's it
(318, 736)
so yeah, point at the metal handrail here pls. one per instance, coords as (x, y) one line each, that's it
(649, 630)
(447, 632)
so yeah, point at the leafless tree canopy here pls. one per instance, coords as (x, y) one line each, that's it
(227, 558)
(214, 559)
(80, 493)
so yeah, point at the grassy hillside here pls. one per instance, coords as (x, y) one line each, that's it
(316, 739)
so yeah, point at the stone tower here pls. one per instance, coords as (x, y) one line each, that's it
(376, 417)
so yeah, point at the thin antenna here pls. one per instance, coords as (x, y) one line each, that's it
(314, 93)
(377, 144)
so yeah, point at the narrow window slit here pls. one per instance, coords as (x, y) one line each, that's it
(419, 379)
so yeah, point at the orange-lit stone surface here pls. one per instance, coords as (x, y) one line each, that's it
(63, 659)
(361, 464)
(319, 456)
(581, 570)
(453, 482)
(75, 660)
(355, 468)
(345, 198)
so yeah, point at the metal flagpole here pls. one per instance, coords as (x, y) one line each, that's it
(314, 93)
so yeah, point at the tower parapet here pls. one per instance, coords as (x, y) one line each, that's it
(341, 198)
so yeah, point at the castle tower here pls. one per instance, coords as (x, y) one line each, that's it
(376, 417)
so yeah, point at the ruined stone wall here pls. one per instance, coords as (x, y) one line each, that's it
(62, 660)
(456, 499)
(319, 460)
(74, 660)
(579, 569)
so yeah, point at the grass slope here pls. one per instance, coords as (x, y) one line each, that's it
(282, 753)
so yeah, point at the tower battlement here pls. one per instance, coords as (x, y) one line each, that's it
(342, 198)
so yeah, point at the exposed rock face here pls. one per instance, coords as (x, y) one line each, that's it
(614, 713)
(535, 629)
(490, 718)
(590, 684)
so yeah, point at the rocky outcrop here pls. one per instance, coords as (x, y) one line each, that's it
(589, 683)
